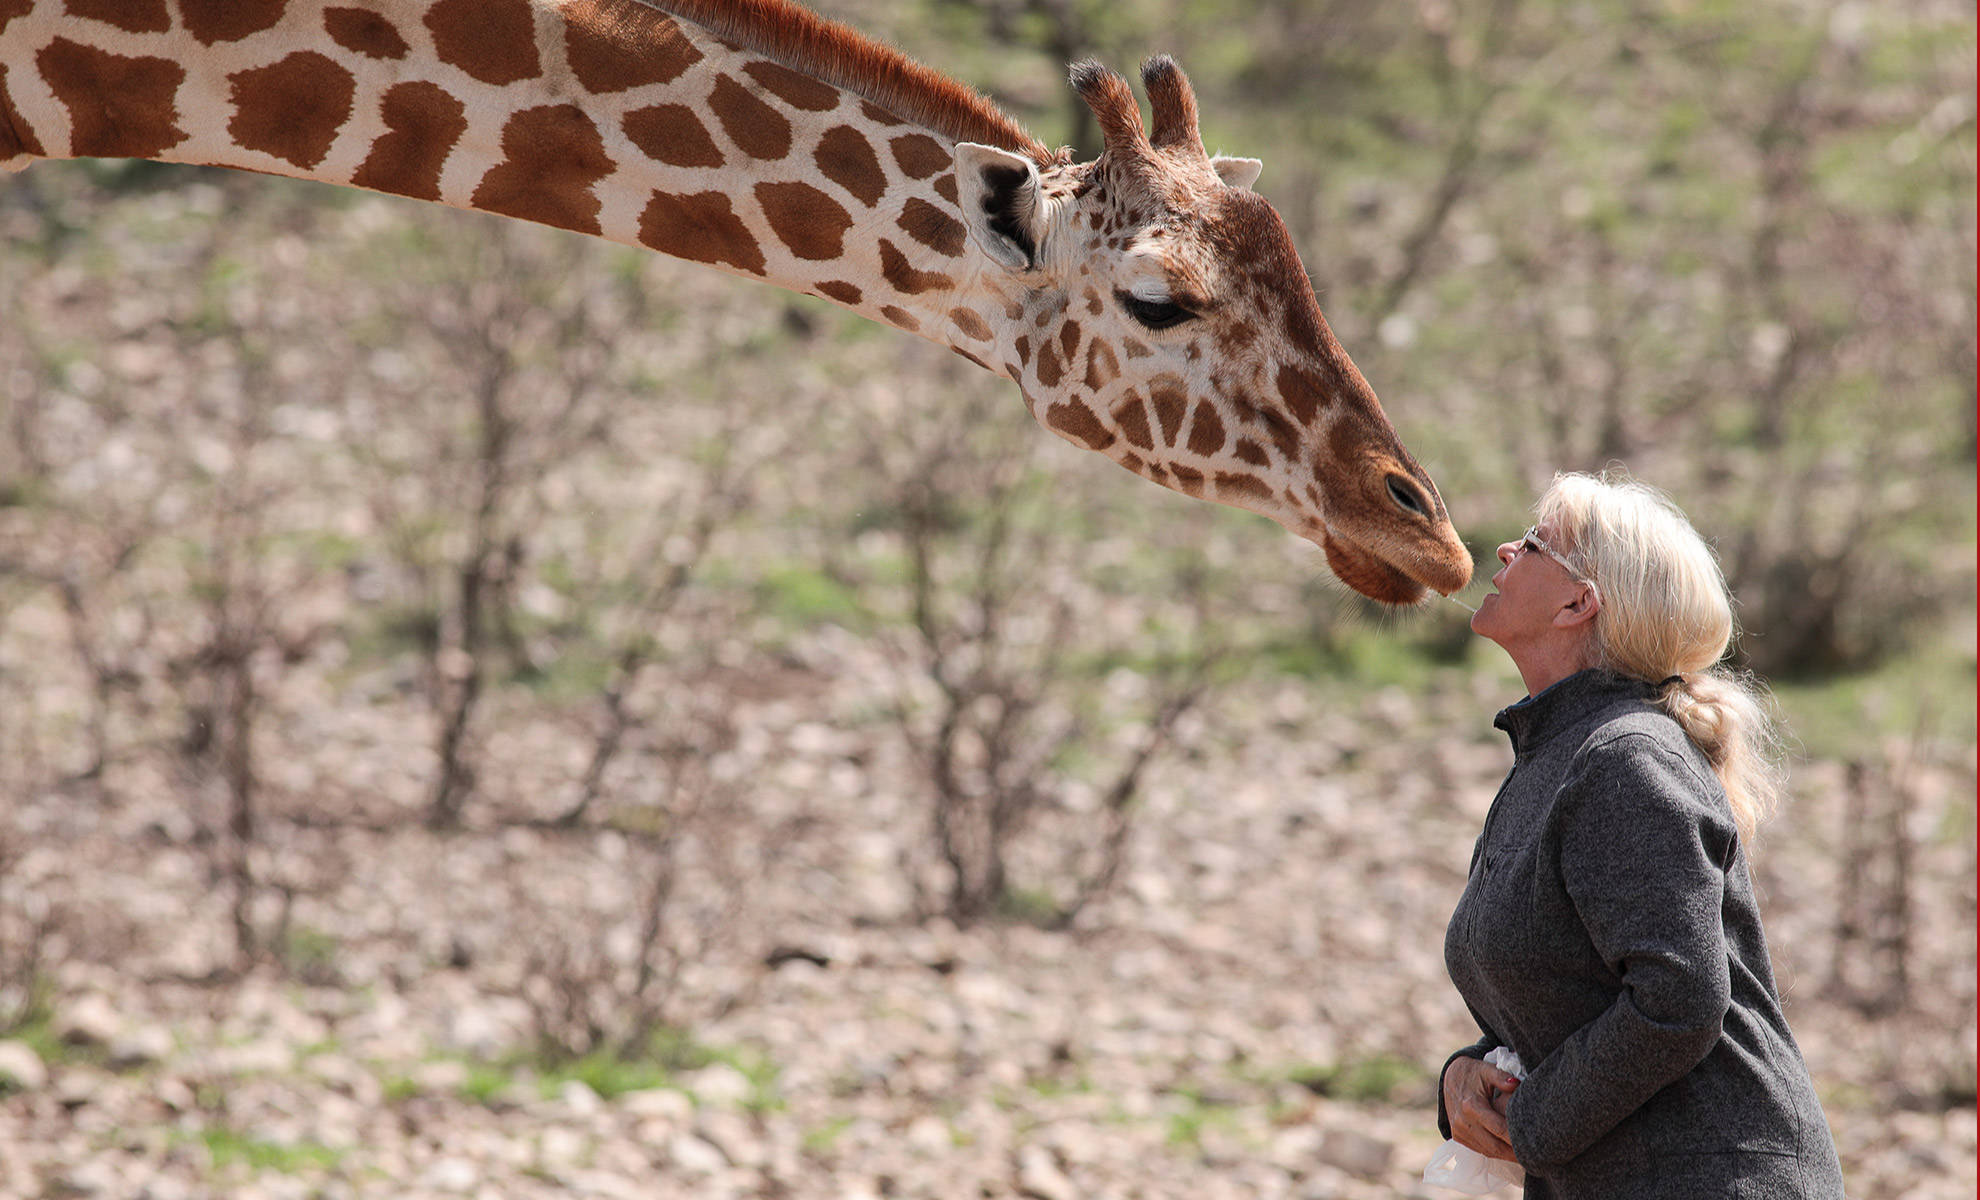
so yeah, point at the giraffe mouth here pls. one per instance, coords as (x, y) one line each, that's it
(1372, 576)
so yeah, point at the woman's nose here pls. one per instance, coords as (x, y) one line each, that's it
(1507, 550)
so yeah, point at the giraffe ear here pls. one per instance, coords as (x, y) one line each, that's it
(1002, 203)
(1237, 172)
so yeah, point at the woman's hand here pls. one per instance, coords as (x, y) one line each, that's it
(1475, 1096)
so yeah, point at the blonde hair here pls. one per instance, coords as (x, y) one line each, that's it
(1667, 618)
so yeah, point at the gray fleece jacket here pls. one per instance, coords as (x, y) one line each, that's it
(1608, 933)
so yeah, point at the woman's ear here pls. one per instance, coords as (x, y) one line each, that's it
(1581, 609)
(1002, 203)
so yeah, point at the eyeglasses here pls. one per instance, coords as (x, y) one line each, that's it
(1532, 538)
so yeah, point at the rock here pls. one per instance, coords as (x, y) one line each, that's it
(1356, 1153)
(1326, 1183)
(733, 1135)
(1040, 1177)
(143, 1046)
(663, 1104)
(477, 1031)
(561, 1146)
(95, 1178)
(450, 1175)
(21, 1069)
(578, 1096)
(75, 1088)
(88, 1020)
(930, 1135)
(696, 1156)
(166, 1187)
(440, 1075)
(175, 1094)
(721, 1086)
(1295, 1149)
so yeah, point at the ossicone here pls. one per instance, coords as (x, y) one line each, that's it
(1174, 105)
(1114, 107)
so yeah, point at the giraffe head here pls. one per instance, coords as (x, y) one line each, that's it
(1154, 310)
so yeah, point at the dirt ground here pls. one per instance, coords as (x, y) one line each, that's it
(1255, 1010)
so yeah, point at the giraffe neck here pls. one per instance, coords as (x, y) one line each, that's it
(687, 132)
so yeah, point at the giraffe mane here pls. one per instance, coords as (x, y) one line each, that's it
(844, 57)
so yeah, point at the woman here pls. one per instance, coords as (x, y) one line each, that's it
(1608, 933)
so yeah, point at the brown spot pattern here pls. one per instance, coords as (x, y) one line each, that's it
(846, 158)
(552, 157)
(1345, 439)
(1188, 479)
(1232, 484)
(118, 107)
(878, 115)
(9, 9)
(1284, 434)
(1023, 347)
(1301, 393)
(699, 228)
(1102, 368)
(1135, 348)
(131, 16)
(291, 109)
(1069, 341)
(1251, 452)
(364, 32)
(757, 129)
(1132, 418)
(895, 267)
(1206, 433)
(1050, 369)
(970, 323)
(919, 155)
(932, 227)
(1171, 406)
(492, 40)
(672, 134)
(810, 223)
(945, 187)
(422, 124)
(835, 289)
(212, 21)
(900, 317)
(1077, 421)
(798, 91)
(614, 47)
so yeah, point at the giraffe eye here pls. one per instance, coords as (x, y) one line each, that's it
(1155, 314)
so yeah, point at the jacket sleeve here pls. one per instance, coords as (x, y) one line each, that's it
(1645, 841)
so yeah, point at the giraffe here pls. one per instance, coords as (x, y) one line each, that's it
(1149, 305)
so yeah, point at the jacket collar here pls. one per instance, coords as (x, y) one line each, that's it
(1532, 721)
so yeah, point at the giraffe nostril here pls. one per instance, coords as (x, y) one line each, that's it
(1406, 497)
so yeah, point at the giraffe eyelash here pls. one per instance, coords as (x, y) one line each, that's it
(1154, 314)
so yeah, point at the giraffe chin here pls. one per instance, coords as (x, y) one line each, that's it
(1369, 575)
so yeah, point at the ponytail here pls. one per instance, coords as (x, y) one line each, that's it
(1729, 716)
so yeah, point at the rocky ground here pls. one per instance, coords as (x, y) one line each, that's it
(1255, 1010)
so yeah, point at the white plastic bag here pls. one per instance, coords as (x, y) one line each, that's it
(1462, 1169)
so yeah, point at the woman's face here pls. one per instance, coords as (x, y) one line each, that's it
(1533, 588)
